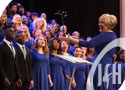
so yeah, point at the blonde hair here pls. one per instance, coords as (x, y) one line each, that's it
(62, 27)
(109, 20)
(27, 30)
(76, 33)
(43, 28)
(45, 49)
(14, 19)
(5, 16)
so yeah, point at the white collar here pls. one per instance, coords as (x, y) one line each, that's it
(20, 45)
(7, 42)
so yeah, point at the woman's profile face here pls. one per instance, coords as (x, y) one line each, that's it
(55, 44)
(102, 26)
(65, 29)
(41, 42)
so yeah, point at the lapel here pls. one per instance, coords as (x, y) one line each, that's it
(27, 53)
(7, 48)
(19, 50)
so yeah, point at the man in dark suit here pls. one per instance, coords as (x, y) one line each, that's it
(24, 58)
(9, 68)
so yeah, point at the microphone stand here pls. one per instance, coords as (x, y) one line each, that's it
(72, 76)
(63, 14)
(62, 19)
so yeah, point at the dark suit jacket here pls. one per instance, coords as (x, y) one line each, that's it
(9, 66)
(25, 65)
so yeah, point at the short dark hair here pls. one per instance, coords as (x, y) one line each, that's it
(21, 6)
(12, 4)
(50, 44)
(18, 33)
(34, 14)
(49, 32)
(67, 44)
(10, 25)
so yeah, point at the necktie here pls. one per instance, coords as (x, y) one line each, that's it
(12, 49)
(24, 52)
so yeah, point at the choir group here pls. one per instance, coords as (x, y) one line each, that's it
(29, 43)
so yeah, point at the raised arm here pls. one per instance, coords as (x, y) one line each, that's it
(96, 41)
(69, 38)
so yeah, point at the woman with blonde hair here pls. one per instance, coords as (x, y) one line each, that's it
(26, 30)
(40, 23)
(107, 23)
(17, 20)
(29, 40)
(63, 28)
(40, 64)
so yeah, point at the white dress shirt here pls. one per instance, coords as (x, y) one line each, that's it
(23, 49)
(11, 47)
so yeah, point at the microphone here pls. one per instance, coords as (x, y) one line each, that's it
(65, 13)
(62, 13)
